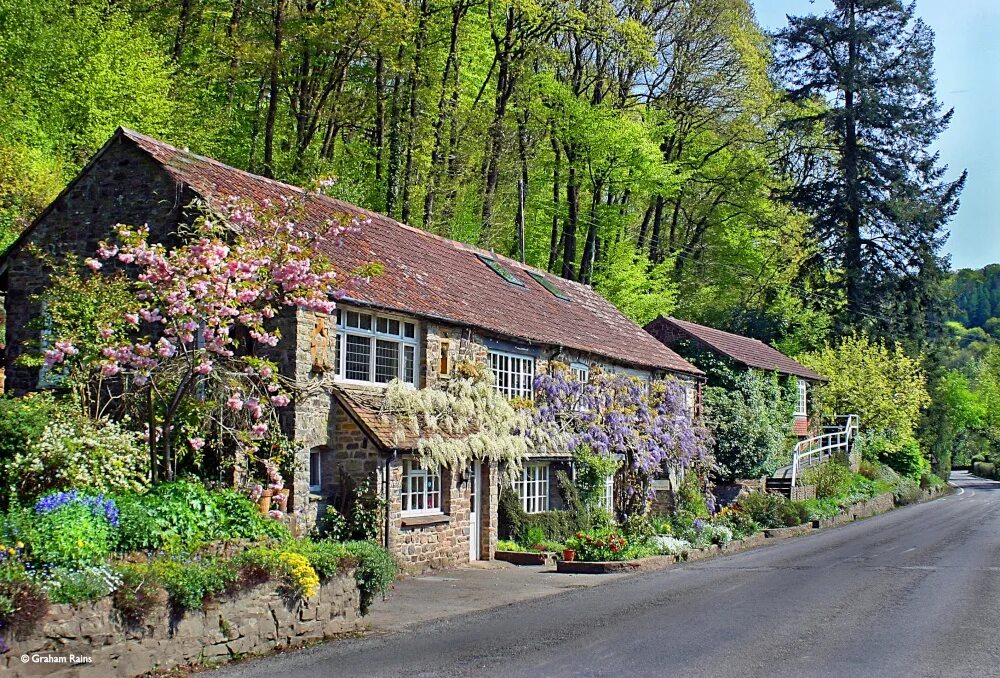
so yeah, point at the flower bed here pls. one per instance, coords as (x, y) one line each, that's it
(178, 547)
(245, 623)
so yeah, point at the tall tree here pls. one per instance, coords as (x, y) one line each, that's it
(879, 199)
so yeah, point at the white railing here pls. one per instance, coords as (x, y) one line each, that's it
(818, 449)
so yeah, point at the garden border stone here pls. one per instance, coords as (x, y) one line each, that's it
(546, 558)
(786, 532)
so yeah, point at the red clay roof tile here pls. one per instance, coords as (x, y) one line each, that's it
(437, 278)
(744, 350)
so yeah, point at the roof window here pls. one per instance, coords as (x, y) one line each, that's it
(499, 269)
(549, 285)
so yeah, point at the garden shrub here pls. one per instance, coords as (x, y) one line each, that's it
(139, 593)
(930, 480)
(76, 585)
(71, 530)
(750, 422)
(190, 584)
(22, 421)
(75, 452)
(510, 516)
(907, 492)
(831, 479)
(794, 513)
(179, 516)
(764, 508)
(22, 602)
(327, 557)
(375, 571)
(900, 453)
(738, 520)
(985, 469)
(818, 509)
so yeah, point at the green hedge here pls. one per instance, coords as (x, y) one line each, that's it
(985, 469)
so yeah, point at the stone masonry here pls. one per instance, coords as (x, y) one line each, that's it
(252, 622)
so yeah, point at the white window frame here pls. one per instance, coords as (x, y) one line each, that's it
(428, 493)
(513, 374)
(581, 371)
(315, 464)
(374, 336)
(532, 487)
(609, 492)
(802, 402)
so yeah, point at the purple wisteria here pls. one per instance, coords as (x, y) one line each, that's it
(650, 427)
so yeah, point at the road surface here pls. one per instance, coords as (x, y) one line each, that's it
(915, 592)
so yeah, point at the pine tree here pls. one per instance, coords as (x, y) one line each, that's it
(878, 196)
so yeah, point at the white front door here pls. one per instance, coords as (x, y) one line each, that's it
(474, 507)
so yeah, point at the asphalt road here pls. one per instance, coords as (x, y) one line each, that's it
(915, 592)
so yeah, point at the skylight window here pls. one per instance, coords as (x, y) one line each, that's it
(549, 285)
(498, 268)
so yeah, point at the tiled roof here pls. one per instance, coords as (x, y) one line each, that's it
(744, 350)
(437, 278)
(365, 406)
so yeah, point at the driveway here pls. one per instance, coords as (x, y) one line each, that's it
(913, 592)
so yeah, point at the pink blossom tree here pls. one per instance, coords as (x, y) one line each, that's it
(195, 365)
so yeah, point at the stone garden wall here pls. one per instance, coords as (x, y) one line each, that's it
(252, 622)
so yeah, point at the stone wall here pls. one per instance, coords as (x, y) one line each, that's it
(437, 541)
(252, 622)
(123, 186)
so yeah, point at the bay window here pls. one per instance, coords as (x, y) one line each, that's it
(375, 349)
(801, 402)
(532, 486)
(513, 375)
(421, 493)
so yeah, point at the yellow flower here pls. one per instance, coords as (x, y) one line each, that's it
(301, 572)
(79, 543)
(19, 545)
(12, 552)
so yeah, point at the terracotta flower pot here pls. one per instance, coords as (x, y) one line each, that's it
(569, 555)
(264, 504)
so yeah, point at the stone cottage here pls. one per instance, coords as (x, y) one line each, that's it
(748, 353)
(438, 302)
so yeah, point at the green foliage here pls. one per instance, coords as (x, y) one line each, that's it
(76, 452)
(751, 422)
(764, 508)
(71, 536)
(23, 603)
(22, 421)
(179, 516)
(591, 472)
(76, 585)
(985, 470)
(139, 594)
(375, 570)
(901, 455)
(887, 390)
(831, 479)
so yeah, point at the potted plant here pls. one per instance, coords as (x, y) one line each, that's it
(569, 555)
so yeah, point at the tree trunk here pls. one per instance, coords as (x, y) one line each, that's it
(445, 112)
(272, 104)
(411, 132)
(379, 119)
(392, 180)
(853, 265)
(494, 144)
(182, 26)
(572, 217)
(556, 191)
